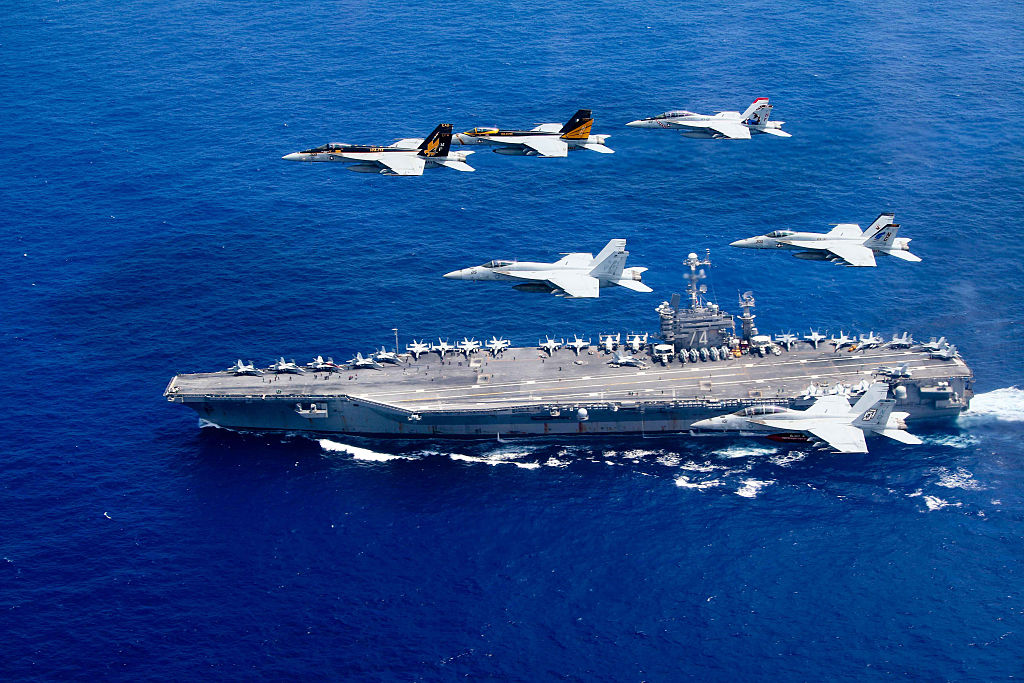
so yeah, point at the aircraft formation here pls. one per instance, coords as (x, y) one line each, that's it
(830, 419)
(411, 156)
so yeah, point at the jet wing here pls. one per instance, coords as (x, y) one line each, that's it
(852, 254)
(544, 145)
(829, 405)
(734, 130)
(402, 164)
(576, 285)
(408, 143)
(845, 438)
(845, 230)
(576, 260)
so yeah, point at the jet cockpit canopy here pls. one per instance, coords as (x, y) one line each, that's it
(674, 114)
(485, 130)
(757, 411)
(497, 264)
(780, 233)
(329, 147)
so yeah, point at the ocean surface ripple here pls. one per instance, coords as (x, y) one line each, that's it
(152, 228)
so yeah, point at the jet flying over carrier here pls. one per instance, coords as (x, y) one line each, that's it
(575, 276)
(545, 140)
(844, 244)
(830, 419)
(408, 156)
(723, 125)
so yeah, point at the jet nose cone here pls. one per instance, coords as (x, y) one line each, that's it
(702, 424)
(294, 156)
(636, 124)
(456, 275)
(740, 243)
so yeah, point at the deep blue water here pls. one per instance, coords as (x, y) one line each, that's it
(150, 227)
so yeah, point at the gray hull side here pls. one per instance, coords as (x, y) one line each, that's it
(345, 415)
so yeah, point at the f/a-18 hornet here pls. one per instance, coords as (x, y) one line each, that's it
(575, 276)
(723, 125)
(844, 244)
(408, 156)
(829, 418)
(545, 140)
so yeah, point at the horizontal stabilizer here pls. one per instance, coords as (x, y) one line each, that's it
(901, 254)
(596, 147)
(775, 131)
(454, 164)
(635, 285)
(898, 435)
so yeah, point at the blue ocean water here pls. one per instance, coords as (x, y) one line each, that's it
(150, 227)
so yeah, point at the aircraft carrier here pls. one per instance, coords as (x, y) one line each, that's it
(700, 366)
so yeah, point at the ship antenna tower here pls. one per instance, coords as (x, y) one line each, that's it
(693, 289)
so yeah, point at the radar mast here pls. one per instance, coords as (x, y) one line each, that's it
(693, 289)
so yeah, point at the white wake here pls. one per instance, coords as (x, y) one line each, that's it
(1006, 405)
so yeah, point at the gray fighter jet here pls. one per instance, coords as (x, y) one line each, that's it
(408, 156)
(240, 368)
(624, 360)
(830, 419)
(724, 125)
(287, 367)
(545, 140)
(575, 276)
(845, 244)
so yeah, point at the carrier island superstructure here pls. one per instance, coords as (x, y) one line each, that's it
(699, 366)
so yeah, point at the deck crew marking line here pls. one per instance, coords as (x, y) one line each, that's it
(512, 395)
(714, 370)
(712, 373)
(528, 400)
(925, 364)
(516, 387)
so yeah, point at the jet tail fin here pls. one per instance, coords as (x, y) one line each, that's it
(438, 142)
(879, 223)
(608, 264)
(758, 112)
(876, 417)
(883, 237)
(578, 127)
(875, 393)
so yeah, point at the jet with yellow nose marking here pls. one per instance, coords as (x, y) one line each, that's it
(545, 140)
(408, 156)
